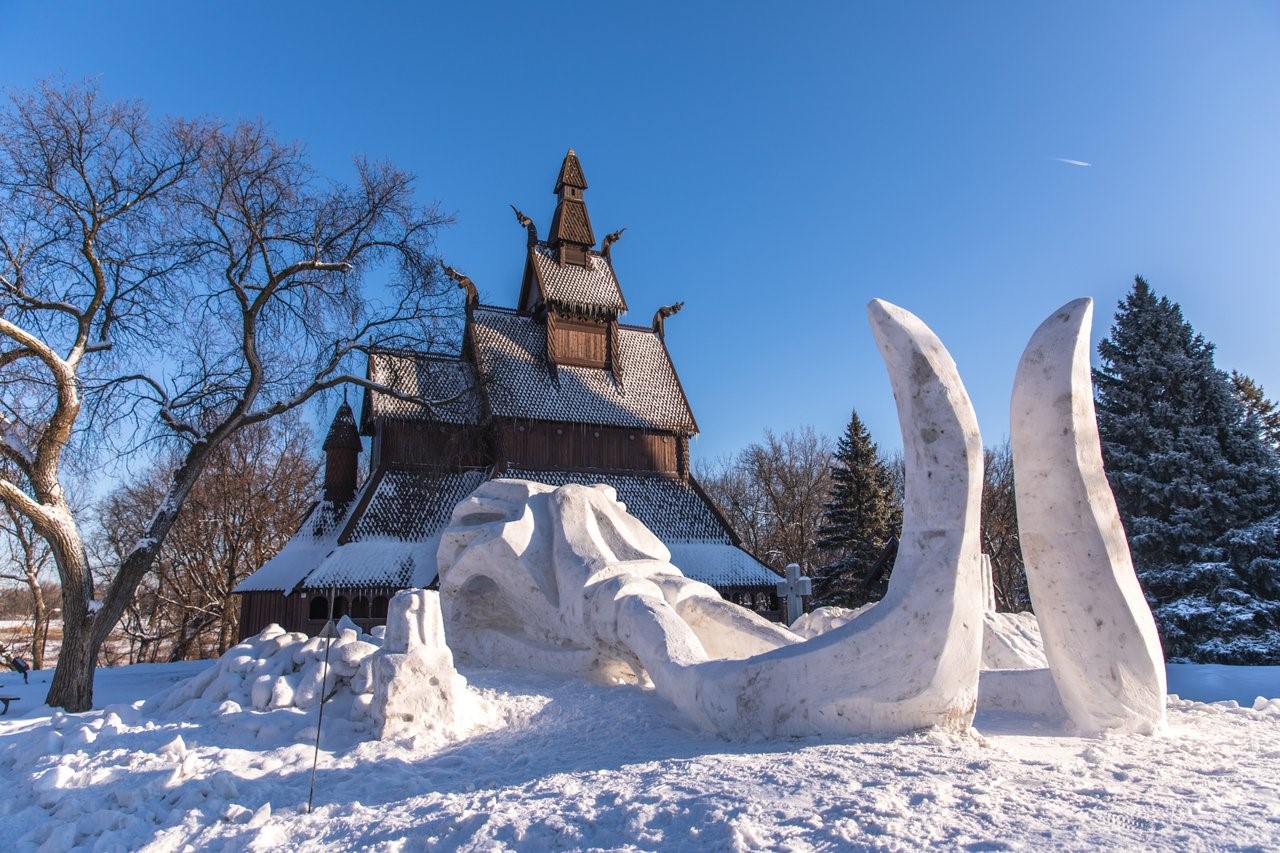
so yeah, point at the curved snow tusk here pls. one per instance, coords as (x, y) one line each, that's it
(1099, 635)
(912, 660)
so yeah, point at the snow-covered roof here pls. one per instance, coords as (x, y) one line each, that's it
(644, 393)
(377, 562)
(393, 541)
(699, 543)
(720, 565)
(316, 538)
(449, 382)
(593, 285)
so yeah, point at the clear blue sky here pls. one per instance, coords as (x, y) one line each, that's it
(778, 165)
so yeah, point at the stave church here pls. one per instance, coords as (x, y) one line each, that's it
(556, 390)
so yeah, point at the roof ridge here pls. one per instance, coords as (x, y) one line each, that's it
(414, 353)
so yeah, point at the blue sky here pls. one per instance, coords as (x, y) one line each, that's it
(777, 166)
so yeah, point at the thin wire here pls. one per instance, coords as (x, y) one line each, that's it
(324, 677)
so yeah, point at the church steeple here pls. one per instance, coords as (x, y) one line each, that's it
(571, 235)
(341, 447)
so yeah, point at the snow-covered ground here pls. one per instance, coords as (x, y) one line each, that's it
(581, 766)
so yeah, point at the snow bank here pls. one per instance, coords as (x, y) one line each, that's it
(277, 669)
(1012, 641)
(409, 689)
(820, 620)
(582, 766)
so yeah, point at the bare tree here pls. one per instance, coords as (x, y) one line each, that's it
(28, 563)
(774, 493)
(999, 532)
(255, 490)
(176, 282)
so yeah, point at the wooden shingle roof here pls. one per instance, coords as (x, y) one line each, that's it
(510, 354)
(342, 432)
(568, 285)
(570, 173)
(449, 382)
(393, 537)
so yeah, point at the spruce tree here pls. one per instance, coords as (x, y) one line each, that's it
(1197, 488)
(863, 514)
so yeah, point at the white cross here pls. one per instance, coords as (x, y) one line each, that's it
(794, 589)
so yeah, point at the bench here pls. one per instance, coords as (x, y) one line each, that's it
(6, 700)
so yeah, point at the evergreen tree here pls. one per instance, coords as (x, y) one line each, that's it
(1257, 406)
(1197, 488)
(864, 513)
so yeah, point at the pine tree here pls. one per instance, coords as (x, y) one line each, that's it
(1197, 489)
(864, 513)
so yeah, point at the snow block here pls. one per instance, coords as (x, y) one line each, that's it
(416, 689)
(1012, 641)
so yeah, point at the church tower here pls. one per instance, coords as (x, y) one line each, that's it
(570, 286)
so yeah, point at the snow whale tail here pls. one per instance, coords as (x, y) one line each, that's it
(1099, 636)
(911, 662)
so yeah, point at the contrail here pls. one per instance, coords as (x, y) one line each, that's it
(1072, 162)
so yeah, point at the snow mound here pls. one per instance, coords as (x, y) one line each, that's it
(278, 669)
(416, 689)
(409, 689)
(824, 619)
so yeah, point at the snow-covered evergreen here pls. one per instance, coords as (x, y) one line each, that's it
(1197, 487)
(863, 514)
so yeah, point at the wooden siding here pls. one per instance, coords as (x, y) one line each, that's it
(422, 443)
(543, 444)
(293, 612)
(580, 342)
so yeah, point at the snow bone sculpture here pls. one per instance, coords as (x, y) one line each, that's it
(1099, 636)
(563, 579)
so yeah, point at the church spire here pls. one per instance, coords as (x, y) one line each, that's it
(571, 234)
(341, 447)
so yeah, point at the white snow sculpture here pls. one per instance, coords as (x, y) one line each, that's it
(1099, 636)
(530, 576)
(1009, 640)
(416, 689)
(565, 580)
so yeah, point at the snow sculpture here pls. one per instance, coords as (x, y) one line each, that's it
(1099, 636)
(416, 689)
(534, 576)
(565, 580)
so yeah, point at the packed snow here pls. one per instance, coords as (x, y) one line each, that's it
(565, 764)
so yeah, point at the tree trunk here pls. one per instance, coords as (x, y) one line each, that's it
(72, 686)
(40, 631)
(230, 622)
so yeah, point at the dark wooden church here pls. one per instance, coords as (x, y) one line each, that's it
(556, 390)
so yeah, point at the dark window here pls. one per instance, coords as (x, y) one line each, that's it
(339, 607)
(360, 607)
(379, 607)
(319, 608)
